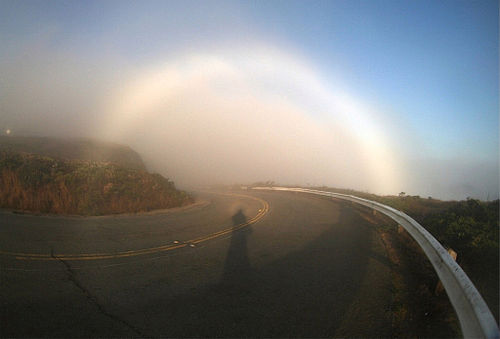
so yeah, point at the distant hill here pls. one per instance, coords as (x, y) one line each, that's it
(74, 149)
(81, 177)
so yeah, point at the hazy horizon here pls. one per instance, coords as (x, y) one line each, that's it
(383, 96)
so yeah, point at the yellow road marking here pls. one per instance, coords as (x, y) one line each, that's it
(151, 250)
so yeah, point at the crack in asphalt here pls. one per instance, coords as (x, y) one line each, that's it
(93, 300)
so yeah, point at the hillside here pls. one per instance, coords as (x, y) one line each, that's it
(74, 149)
(45, 184)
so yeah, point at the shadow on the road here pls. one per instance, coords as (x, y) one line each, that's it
(304, 294)
(237, 267)
(334, 285)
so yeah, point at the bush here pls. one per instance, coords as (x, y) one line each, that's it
(42, 184)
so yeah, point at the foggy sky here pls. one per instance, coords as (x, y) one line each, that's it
(231, 106)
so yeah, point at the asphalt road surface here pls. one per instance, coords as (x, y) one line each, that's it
(255, 264)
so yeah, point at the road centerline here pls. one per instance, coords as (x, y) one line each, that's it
(151, 250)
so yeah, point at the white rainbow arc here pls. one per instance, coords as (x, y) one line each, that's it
(262, 78)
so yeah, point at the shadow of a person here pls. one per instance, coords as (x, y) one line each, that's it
(237, 267)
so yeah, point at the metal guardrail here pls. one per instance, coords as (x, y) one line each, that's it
(474, 315)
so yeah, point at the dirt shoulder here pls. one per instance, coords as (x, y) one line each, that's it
(418, 308)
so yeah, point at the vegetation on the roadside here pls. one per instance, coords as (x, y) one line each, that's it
(469, 227)
(74, 149)
(44, 184)
(418, 308)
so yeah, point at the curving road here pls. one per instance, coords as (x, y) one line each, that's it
(248, 264)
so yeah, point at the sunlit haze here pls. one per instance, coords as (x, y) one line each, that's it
(379, 96)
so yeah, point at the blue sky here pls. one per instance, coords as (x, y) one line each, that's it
(435, 62)
(429, 67)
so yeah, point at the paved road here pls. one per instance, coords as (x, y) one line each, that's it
(263, 264)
